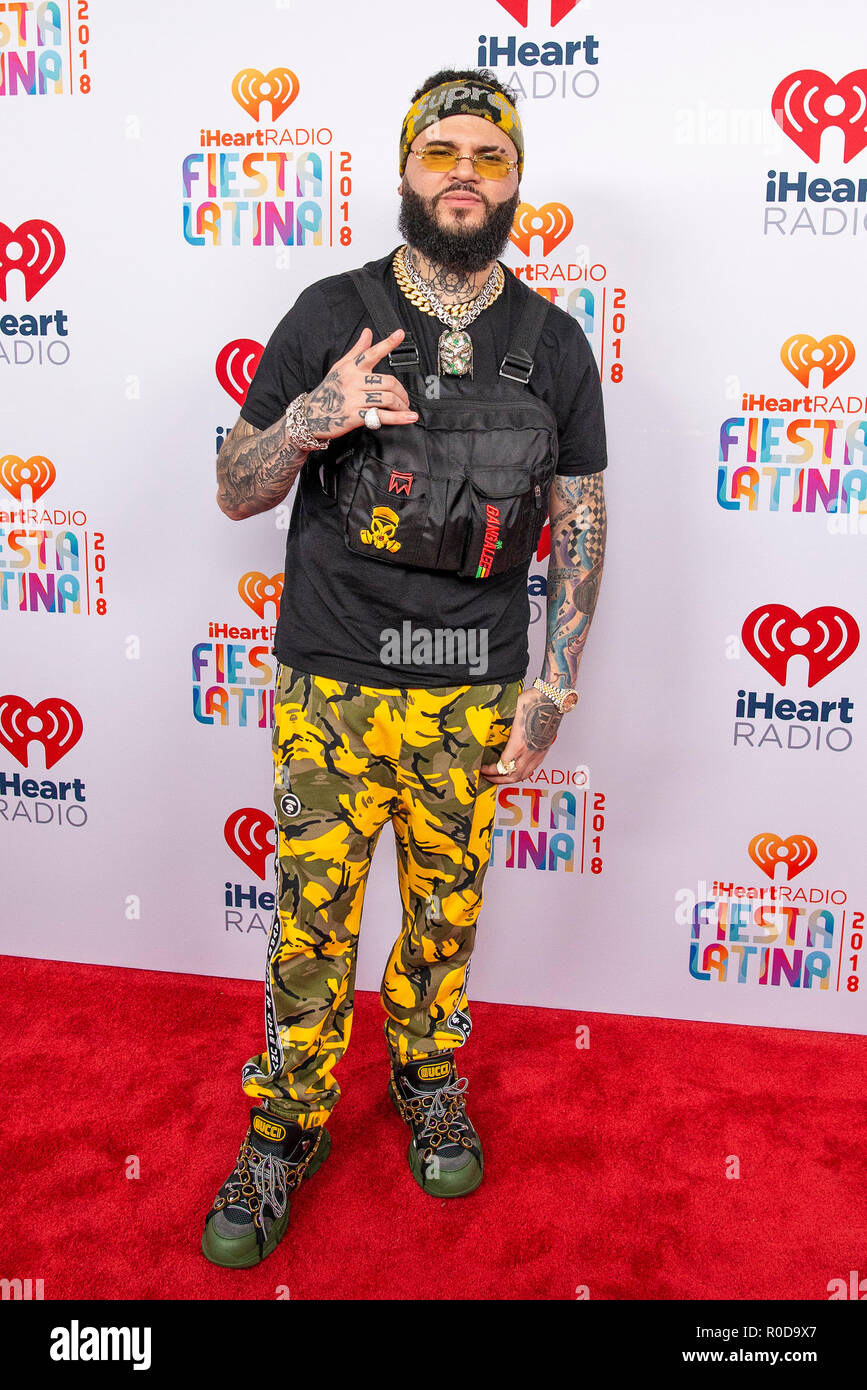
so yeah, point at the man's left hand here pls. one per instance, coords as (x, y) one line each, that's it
(534, 729)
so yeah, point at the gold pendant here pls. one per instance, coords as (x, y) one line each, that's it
(455, 356)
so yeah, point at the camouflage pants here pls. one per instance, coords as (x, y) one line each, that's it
(347, 759)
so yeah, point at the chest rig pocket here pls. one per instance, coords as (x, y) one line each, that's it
(464, 489)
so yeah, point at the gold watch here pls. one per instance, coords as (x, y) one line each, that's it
(564, 699)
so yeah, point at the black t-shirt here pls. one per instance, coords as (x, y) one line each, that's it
(339, 608)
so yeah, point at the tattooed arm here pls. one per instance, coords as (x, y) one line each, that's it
(256, 468)
(578, 529)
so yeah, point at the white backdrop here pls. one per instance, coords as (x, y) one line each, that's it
(129, 266)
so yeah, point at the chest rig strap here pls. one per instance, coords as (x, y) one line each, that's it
(517, 364)
(404, 357)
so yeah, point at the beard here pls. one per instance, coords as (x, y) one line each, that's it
(456, 249)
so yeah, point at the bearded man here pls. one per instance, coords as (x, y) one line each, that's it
(433, 410)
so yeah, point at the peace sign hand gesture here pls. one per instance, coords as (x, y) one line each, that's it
(353, 386)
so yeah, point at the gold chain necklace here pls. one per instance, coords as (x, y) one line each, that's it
(455, 346)
(421, 301)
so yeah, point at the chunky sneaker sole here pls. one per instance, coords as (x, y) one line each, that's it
(445, 1151)
(250, 1214)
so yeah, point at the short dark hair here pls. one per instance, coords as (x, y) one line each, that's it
(484, 76)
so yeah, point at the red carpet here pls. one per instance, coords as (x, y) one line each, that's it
(604, 1168)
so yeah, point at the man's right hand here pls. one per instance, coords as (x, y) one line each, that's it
(353, 386)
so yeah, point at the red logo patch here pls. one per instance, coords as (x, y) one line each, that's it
(400, 482)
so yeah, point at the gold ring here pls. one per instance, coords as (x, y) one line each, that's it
(505, 768)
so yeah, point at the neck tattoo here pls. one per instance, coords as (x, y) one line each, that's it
(450, 286)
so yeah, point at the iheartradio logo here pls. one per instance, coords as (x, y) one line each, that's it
(250, 835)
(54, 723)
(797, 852)
(257, 590)
(236, 366)
(519, 10)
(552, 222)
(250, 88)
(36, 249)
(773, 634)
(37, 473)
(807, 103)
(801, 353)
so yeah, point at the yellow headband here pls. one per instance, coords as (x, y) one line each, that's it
(461, 99)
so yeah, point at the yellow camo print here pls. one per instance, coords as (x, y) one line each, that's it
(356, 757)
(461, 99)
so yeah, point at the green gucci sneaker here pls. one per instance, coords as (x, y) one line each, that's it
(251, 1210)
(445, 1152)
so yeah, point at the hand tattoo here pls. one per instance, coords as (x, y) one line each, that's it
(539, 722)
(326, 405)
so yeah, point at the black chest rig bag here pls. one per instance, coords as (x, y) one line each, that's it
(465, 488)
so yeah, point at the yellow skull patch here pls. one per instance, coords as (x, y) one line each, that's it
(383, 524)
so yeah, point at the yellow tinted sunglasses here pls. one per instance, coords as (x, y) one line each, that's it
(488, 165)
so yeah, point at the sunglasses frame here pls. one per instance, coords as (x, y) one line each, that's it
(458, 159)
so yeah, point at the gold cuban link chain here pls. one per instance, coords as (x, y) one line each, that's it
(421, 301)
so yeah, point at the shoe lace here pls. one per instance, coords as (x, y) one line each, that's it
(444, 1105)
(271, 1181)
